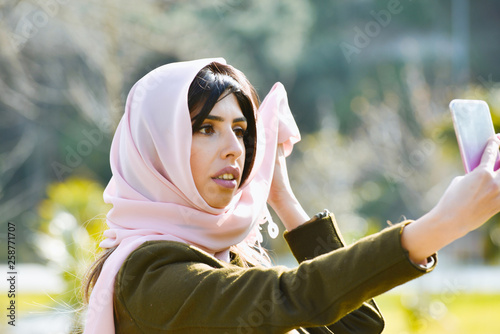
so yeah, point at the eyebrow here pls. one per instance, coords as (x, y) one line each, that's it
(220, 119)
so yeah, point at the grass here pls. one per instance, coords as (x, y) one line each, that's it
(35, 306)
(441, 314)
(404, 314)
(31, 303)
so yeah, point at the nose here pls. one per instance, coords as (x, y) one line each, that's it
(232, 146)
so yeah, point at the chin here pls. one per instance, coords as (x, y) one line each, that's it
(219, 205)
(220, 202)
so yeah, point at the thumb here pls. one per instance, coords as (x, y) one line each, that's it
(490, 153)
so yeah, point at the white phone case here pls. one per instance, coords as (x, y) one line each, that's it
(473, 127)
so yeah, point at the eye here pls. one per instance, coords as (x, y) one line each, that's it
(240, 132)
(206, 129)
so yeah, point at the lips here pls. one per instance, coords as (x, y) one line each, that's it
(227, 177)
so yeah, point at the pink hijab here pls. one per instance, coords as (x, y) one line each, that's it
(152, 190)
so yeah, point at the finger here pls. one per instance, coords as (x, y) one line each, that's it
(497, 163)
(490, 153)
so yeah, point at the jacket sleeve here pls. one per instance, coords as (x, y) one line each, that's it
(178, 289)
(320, 237)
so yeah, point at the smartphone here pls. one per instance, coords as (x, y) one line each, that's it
(473, 128)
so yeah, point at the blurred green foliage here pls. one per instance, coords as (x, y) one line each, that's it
(71, 224)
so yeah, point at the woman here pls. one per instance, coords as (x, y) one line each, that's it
(194, 161)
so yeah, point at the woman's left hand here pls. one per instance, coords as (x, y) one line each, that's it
(281, 196)
(281, 191)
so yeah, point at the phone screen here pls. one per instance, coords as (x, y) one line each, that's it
(473, 127)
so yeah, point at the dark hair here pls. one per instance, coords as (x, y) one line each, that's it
(213, 83)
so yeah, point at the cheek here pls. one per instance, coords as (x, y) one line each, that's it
(195, 160)
(201, 160)
(241, 160)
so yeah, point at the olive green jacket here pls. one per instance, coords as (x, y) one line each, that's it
(171, 287)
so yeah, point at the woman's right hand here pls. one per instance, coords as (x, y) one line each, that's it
(474, 198)
(469, 202)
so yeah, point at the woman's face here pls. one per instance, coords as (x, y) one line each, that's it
(218, 153)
